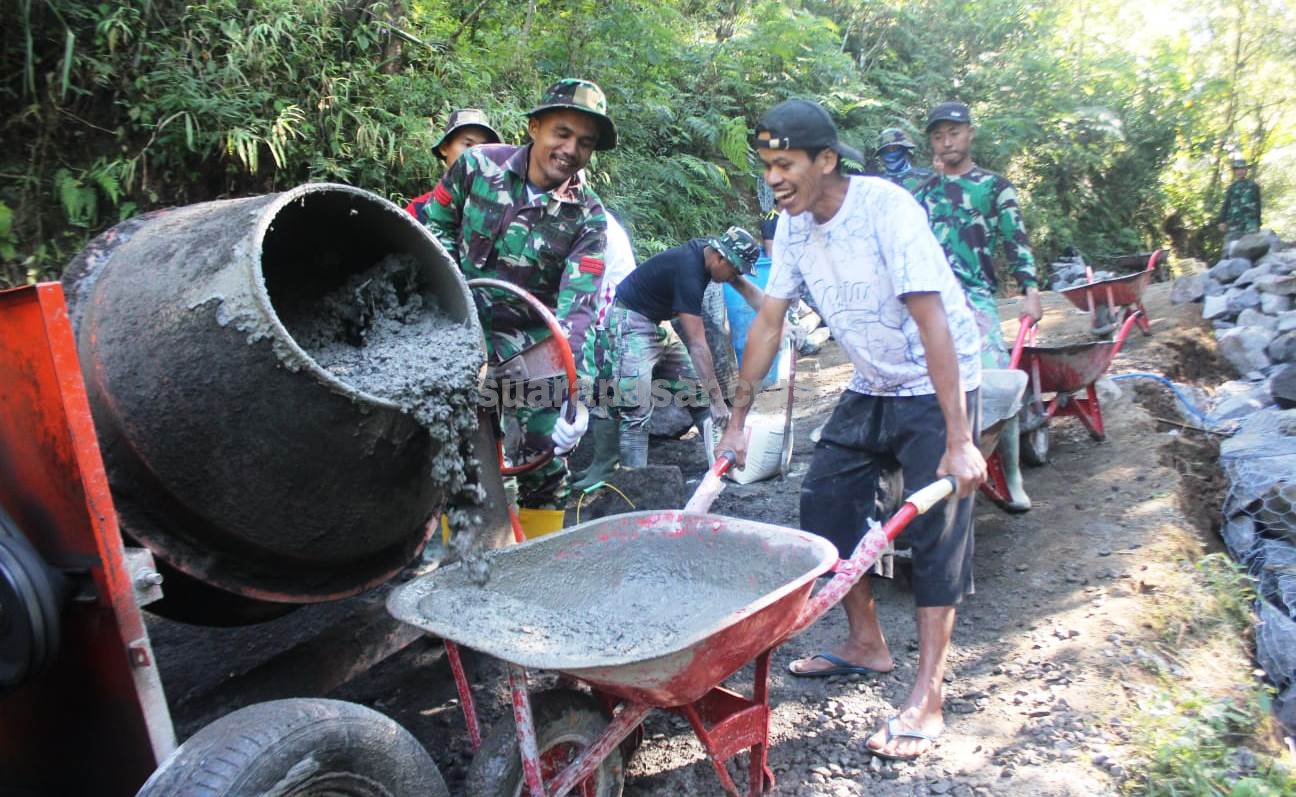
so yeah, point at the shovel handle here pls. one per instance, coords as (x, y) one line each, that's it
(723, 463)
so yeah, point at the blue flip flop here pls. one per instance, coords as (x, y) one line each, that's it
(839, 667)
(894, 731)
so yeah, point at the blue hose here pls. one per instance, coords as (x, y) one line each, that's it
(1196, 413)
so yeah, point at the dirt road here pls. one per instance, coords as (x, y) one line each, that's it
(1054, 647)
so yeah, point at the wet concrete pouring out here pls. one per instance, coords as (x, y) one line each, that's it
(382, 334)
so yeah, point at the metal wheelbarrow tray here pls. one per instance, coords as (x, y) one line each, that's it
(653, 610)
(1102, 298)
(1066, 371)
(654, 607)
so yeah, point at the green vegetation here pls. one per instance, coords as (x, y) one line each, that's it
(1197, 741)
(1114, 118)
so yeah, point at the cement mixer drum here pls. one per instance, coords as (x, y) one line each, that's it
(233, 455)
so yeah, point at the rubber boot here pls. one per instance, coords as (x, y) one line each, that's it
(1010, 455)
(607, 437)
(634, 448)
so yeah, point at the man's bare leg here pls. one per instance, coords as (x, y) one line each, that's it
(922, 711)
(865, 646)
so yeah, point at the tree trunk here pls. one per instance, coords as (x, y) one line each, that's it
(392, 53)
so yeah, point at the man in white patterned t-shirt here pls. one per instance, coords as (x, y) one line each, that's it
(863, 249)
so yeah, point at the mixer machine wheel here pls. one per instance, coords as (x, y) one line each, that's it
(299, 748)
(29, 608)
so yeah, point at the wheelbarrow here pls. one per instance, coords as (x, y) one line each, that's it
(1105, 299)
(651, 610)
(1065, 372)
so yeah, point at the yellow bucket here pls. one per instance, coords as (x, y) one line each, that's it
(535, 523)
(539, 522)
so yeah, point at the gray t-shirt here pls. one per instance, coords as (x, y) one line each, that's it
(857, 265)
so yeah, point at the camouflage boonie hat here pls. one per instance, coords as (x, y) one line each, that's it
(1240, 163)
(580, 95)
(739, 247)
(465, 117)
(895, 137)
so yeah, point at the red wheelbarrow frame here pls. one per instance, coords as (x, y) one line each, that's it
(1125, 293)
(725, 722)
(1050, 372)
(995, 487)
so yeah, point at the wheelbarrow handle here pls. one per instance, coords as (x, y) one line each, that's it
(869, 549)
(1124, 332)
(1026, 329)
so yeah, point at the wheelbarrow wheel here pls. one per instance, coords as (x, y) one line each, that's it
(1035, 446)
(299, 748)
(566, 722)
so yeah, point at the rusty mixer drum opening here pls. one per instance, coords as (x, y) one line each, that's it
(232, 454)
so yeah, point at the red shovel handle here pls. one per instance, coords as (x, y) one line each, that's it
(723, 463)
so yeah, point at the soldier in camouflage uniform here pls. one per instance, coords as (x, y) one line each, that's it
(650, 363)
(973, 212)
(1241, 211)
(465, 129)
(895, 152)
(524, 214)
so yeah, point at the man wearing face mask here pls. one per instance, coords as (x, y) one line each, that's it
(525, 215)
(895, 153)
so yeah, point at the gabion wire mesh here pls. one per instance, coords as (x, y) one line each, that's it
(1260, 532)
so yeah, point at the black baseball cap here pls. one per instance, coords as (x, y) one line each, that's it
(802, 124)
(949, 112)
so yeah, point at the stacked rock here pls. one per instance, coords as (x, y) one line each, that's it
(1250, 298)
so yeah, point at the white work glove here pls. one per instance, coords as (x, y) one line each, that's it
(566, 435)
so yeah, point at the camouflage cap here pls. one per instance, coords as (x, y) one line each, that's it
(466, 117)
(739, 247)
(895, 137)
(580, 95)
(1239, 162)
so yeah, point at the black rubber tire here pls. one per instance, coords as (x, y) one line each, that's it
(1035, 446)
(299, 747)
(559, 715)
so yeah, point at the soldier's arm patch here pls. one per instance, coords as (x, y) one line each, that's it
(442, 195)
(591, 265)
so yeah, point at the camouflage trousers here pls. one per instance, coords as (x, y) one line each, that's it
(650, 365)
(599, 352)
(545, 487)
(994, 348)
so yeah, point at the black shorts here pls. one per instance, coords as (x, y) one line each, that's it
(867, 436)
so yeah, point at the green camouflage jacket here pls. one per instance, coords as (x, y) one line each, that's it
(1241, 206)
(911, 180)
(972, 215)
(551, 245)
